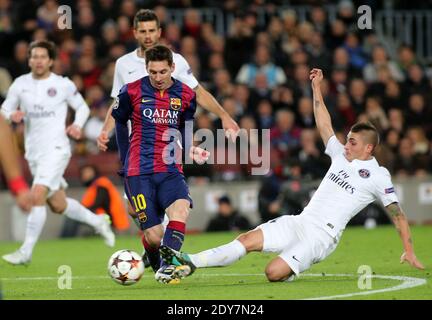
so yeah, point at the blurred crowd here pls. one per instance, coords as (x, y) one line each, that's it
(258, 72)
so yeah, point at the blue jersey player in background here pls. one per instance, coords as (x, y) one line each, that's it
(159, 107)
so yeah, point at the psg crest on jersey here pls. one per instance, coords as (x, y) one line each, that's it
(52, 92)
(364, 173)
(175, 103)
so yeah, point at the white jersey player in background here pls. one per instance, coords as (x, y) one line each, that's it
(353, 181)
(41, 99)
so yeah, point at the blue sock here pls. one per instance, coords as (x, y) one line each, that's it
(174, 236)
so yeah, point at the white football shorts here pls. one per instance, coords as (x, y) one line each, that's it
(48, 170)
(298, 242)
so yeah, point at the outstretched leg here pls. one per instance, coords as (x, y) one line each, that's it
(74, 210)
(35, 223)
(217, 257)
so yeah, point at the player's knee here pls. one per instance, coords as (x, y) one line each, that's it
(180, 214)
(273, 274)
(153, 238)
(244, 239)
(57, 206)
(250, 241)
(38, 196)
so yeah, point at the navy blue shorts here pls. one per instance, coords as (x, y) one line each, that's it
(151, 194)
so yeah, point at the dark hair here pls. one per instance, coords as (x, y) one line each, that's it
(369, 128)
(49, 45)
(91, 166)
(224, 199)
(145, 15)
(159, 53)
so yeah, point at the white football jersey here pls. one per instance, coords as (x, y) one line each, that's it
(346, 189)
(45, 105)
(131, 67)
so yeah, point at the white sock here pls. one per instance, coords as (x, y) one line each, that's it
(76, 211)
(35, 223)
(220, 256)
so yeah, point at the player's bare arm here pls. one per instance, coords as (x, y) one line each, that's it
(322, 116)
(401, 223)
(11, 169)
(206, 100)
(108, 126)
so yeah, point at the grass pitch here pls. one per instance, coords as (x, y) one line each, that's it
(336, 277)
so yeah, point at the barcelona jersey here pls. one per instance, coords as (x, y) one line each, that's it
(158, 120)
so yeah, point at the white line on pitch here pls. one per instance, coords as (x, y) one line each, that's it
(408, 282)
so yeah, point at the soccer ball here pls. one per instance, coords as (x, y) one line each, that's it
(126, 267)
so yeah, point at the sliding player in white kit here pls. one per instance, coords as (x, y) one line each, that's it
(353, 181)
(43, 98)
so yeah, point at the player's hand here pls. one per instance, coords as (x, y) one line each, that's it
(74, 131)
(316, 77)
(24, 200)
(17, 116)
(102, 140)
(231, 127)
(412, 260)
(199, 155)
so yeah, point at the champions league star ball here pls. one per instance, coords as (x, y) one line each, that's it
(126, 267)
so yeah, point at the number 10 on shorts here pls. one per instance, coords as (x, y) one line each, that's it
(139, 202)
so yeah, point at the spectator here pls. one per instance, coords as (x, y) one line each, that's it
(47, 15)
(376, 114)
(305, 117)
(418, 137)
(416, 81)
(418, 113)
(407, 163)
(355, 51)
(313, 162)
(285, 136)
(380, 60)
(393, 97)
(100, 197)
(19, 64)
(227, 218)
(269, 205)
(396, 120)
(406, 58)
(357, 92)
(261, 65)
(346, 111)
(264, 115)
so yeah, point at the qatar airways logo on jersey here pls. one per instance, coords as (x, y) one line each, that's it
(339, 179)
(162, 116)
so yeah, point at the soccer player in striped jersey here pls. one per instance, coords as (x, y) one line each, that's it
(159, 107)
(132, 66)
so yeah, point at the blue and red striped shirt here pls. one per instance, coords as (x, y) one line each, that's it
(154, 115)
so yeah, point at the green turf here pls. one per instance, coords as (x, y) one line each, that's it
(379, 248)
